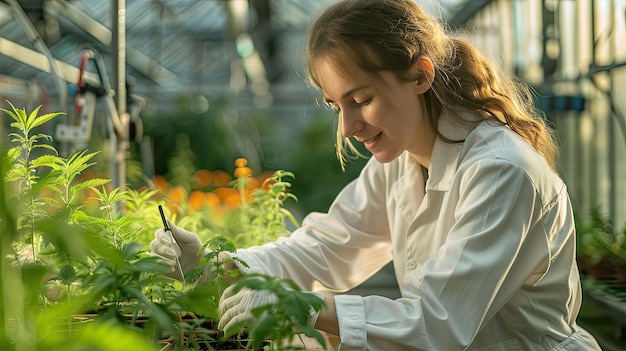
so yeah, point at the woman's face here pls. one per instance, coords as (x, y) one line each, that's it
(384, 113)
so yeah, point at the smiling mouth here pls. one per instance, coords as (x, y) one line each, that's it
(372, 139)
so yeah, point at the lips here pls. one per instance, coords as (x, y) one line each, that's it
(371, 140)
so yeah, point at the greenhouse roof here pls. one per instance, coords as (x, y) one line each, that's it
(172, 46)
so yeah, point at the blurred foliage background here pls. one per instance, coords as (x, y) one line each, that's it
(185, 141)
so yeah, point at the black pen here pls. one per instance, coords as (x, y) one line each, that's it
(167, 229)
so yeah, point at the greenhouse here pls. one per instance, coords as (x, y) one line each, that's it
(313, 175)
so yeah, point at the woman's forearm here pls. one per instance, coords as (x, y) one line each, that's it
(327, 320)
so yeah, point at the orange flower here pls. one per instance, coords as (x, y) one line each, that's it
(223, 193)
(177, 194)
(241, 172)
(253, 183)
(241, 162)
(212, 199)
(202, 178)
(161, 183)
(197, 200)
(221, 178)
(232, 201)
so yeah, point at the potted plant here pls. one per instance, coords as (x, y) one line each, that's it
(75, 271)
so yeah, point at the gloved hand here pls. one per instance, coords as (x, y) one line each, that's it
(184, 247)
(235, 308)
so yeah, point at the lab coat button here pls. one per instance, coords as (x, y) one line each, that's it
(411, 264)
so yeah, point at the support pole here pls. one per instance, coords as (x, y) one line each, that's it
(121, 142)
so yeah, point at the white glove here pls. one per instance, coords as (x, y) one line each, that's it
(235, 309)
(184, 248)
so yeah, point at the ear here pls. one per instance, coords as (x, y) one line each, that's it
(426, 73)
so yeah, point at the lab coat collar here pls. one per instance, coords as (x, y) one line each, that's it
(444, 159)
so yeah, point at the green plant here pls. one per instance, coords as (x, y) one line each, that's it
(599, 240)
(262, 217)
(52, 263)
(74, 250)
(23, 173)
(30, 319)
(211, 264)
(66, 170)
(618, 246)
(281, 321)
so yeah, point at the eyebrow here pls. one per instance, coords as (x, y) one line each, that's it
(347, 93)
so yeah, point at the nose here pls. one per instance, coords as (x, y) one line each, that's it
(351, 123)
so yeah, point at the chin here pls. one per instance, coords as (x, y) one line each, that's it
(385, 157)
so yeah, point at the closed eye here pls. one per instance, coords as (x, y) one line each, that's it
(336, 109)
(362, 103)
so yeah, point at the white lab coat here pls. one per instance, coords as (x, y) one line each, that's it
(484, 252)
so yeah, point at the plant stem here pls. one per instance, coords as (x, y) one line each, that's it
(33, 235)
(69, 302)
(241, 184)
(110, 215)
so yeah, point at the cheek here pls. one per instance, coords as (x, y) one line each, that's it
(404, 118)
(374, 114)
(401, 114)
(413, 112)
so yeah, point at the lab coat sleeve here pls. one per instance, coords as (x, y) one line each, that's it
(486, 258)
(337, 250)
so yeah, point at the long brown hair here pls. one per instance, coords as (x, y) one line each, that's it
(392, 35)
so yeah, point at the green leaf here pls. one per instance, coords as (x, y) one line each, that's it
(252, 281)
(78, 162)
(316, 334)
(35, 121)
(131, 250)
(103, 283)
(67, 274)
(222, 243)
(15, 114)
(90, 183)
(194, 274)
(262, 330)
(106, 337)
(32, 276)
(45, 161)
(162, 317)
(241, 261)
(26, 122)
(150, 264)
(202, 300)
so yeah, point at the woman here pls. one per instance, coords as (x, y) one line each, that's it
(461, 194)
